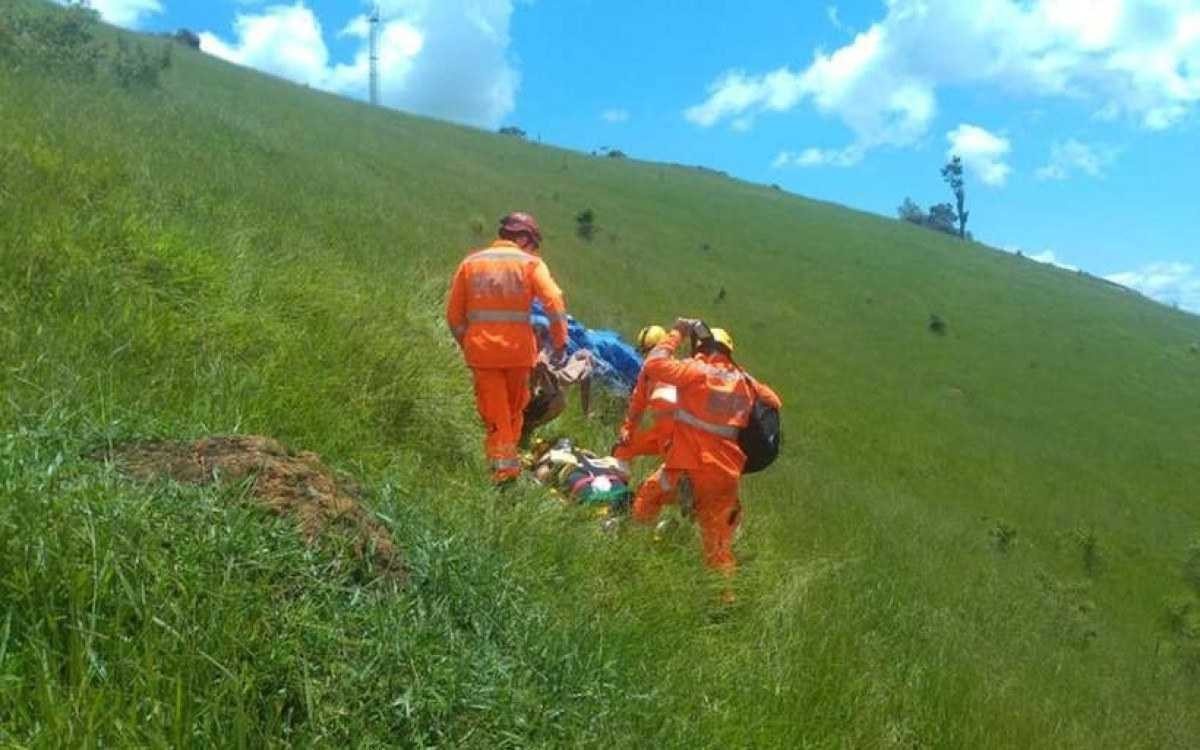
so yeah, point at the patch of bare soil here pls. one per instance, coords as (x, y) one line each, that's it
(293, 485)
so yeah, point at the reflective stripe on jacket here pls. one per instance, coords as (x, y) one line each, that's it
(660, 398)
(489, 305)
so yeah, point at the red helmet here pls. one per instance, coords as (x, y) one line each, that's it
(520, 222)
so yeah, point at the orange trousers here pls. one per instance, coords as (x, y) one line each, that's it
(717, 508)
(501, 395)
(652, 441)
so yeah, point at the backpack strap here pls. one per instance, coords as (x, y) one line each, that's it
(754, 399)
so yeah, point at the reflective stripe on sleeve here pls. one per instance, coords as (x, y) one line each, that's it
(498, 316)
(719, 430)
(506, 463)
(664, 393)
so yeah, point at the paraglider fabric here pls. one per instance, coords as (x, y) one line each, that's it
(616, 363)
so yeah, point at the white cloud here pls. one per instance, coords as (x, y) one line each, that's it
(358, 27)
(615, 116)
(1122, 58)
(126, 13)
(1075, 157)
(423, 67)
(285, 41)
(1170, 283)
(982, 153)
(1050, 258)
(819, 157)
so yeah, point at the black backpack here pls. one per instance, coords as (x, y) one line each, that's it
(761, 436)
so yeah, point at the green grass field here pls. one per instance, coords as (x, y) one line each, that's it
(986, 538)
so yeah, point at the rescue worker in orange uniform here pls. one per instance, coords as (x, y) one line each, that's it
(659, 399)
(715, 398)
(488, 312)
(648, 396)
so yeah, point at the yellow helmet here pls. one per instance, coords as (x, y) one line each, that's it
(722, 337)
(649, 337)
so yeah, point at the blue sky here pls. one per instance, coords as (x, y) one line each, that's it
(1079, 120)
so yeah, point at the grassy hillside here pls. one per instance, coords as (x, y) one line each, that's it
(982, 538)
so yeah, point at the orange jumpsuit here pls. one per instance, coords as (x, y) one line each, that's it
(660, 400)
(715, 399)
(488, 311)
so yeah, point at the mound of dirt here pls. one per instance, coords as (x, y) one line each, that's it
(295, 485)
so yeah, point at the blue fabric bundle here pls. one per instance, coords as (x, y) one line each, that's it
(616, 363)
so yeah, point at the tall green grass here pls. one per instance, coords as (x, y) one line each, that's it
(974, 539)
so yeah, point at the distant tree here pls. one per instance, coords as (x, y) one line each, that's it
(942, 218)
(616, 153)
(585, 224)
(909, 211)
(952, 173)
(512, 130)
(188, 38)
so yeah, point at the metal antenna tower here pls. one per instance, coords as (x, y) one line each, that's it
(374, 19)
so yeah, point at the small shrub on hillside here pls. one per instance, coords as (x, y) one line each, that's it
(912, 213)
(942, 218)
(478, 226)
(1004, 536)
(134, 68)
(1195, 348)
(585, 224)
(937, 325)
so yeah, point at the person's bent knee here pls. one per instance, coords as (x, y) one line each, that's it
(645, 512)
